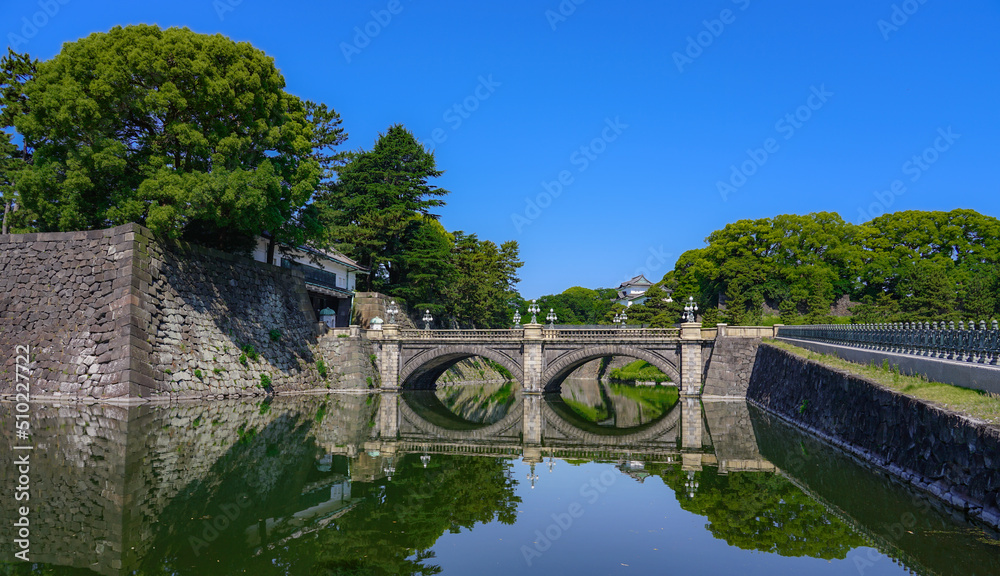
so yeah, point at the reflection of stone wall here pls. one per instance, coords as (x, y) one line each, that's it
(947, 454)
(733, 437)
(77, 485)
(900, 523)
(730, 366)
(102, 476)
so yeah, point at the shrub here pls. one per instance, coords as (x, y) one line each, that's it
(275, 335)
(265, 381)
(321, 368)
(250, 352)
(243, 359)
(197, 374)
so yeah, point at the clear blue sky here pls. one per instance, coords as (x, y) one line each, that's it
(661, 121)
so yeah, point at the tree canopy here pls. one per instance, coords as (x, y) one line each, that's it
(372, 211)
(903, 266)
(191, 135)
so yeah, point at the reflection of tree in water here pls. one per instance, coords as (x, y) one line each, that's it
(392, 530)
(617, 405)
(205, 524)
(482, 403)
(651, 402)
(19, 568)
(763, 511)
(387, 527)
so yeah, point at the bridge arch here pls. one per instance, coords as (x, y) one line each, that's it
(613, 437)
(556, 372)
(423, 370)
(487, 432)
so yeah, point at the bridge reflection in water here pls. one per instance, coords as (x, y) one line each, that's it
(537, 426)
(368, 484)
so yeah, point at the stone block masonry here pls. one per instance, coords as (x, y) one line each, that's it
(729, 368)
(69, 297)
(119, 314)
(951, 456)
(110, 483)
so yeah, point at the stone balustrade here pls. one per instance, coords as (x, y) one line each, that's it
(547, 334)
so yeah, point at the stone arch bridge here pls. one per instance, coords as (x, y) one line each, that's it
(537, 357)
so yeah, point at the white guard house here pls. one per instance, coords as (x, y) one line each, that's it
(633, 291)
(330, 276)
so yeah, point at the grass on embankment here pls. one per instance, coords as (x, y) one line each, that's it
(973, 403)
(640, 371)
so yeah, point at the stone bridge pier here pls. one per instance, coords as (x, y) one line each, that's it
(539, 358)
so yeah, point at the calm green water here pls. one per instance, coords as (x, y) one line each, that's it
(604, 479)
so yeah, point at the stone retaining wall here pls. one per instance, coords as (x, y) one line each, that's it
(946, 454)
(119, 314)
(729, 367)
(67, 296)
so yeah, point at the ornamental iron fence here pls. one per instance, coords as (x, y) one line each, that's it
(976, 343)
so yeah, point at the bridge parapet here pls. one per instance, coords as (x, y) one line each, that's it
(604, 335)
(465, 335)
(537, 356)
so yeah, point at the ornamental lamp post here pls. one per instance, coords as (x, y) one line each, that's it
(427, 319)
(691, 484)
(617, 319)
(551, 317)
(392, 310)
(690, 309)
(621, 318)
(534, 309)
(517, 318)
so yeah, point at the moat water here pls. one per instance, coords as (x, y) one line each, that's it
(469, 479)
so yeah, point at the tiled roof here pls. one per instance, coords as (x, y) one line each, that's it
(639, 280)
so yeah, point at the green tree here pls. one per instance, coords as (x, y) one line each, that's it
(370, 211)
(9, 166)
(926, 291)
(980, 293)
(15, 71)
(483, 292)
(126, 127)
(427, 268)
(305, 225)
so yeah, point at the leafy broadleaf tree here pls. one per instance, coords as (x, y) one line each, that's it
(370, 211)
(191, 135)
